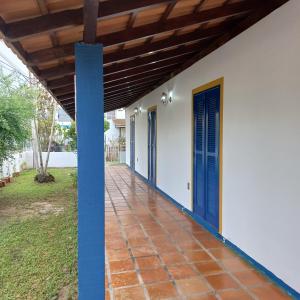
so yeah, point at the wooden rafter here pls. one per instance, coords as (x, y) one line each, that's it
(74, 17)
(90, 14)
(65, 50)
(144, 31)
(146, 55)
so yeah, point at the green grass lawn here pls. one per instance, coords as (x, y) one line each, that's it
(38, 238)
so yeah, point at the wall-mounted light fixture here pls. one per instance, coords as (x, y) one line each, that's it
(164, 98)
(137, 110)
(167, 98)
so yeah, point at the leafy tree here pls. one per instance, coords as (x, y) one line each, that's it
(106, 125)
(16, 113)
(71, 135)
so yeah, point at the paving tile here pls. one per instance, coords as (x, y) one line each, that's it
(130, 293)
(143, 251)
(193, 285)
(209, 267)
(124, 279)
(149, 262)
(189, 245)
(154, 275)
(173, 258)
(182, 271)
(164, 290)
(196, 256)
(269, 292)
(138, 241)
(120, 254)
(222, 253)
(212, 243)
(168, 244)
(235, 264)
(234, 295)
(222, 281)
(251, 278)
(121, 266)
(209, 296)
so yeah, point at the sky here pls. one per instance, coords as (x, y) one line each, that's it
(7, 56)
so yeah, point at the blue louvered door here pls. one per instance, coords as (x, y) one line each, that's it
(206, 155)
(152, 147)
(132, 142)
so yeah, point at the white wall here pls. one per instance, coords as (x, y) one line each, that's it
(261, 199)
(15, 164)
(112, 134)
(61, 159)
(25, 160)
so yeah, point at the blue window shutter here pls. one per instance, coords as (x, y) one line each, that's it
(212, 100)
(199, 154)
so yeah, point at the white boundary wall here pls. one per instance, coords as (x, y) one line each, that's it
(261, 198)
(25, 160)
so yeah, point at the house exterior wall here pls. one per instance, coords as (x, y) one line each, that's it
(261, 139)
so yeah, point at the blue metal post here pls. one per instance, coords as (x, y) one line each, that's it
(90, 130)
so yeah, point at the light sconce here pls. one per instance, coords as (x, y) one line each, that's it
(164, 98)
(167, 98)
(137, 110)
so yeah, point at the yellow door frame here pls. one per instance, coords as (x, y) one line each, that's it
(207, 86)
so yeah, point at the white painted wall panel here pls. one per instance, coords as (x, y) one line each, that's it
(261, 205)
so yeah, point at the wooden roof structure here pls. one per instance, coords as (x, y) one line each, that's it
(146, 42)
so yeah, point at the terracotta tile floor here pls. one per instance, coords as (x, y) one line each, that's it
(154, 251)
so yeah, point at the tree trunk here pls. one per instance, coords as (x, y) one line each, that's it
(42, 171)
(50, 137)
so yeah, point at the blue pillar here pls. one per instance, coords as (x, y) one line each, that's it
(90, 130)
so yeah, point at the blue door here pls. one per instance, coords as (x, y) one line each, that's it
(206, 155)
(152, 147)
(132, 142)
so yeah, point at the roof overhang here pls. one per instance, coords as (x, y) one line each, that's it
(146, 42)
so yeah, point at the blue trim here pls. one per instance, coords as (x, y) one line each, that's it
(90, 128)
(271, 276)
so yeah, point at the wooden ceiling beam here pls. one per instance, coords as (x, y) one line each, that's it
(57, 72)
(141, 70)
(153, 58)
(74, 17)
(141, 82)
(63, 91)
(61, 82)
(155, 28)
(90, 15)
(69, 69)
(67, 94)
(129, 89)
(69, 81)
(263, 10)
(66, 97)
(111, 101)
(115, 98)
(68, 50)
(119, 80)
